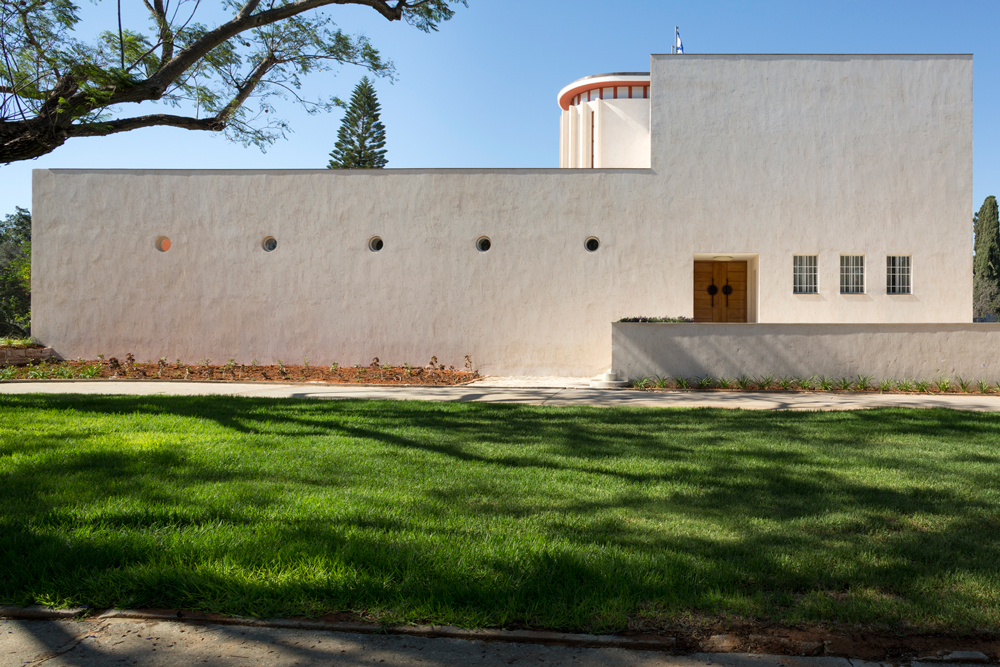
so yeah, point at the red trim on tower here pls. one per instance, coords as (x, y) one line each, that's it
(567, 98)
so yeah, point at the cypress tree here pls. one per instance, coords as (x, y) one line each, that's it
(975, 235)
(986, 264)
(361, 139)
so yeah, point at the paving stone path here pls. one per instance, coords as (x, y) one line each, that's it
(100, 642)
(509, 392)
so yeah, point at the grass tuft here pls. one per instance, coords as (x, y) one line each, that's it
(19, 343)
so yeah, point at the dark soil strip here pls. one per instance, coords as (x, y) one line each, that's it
(114, 368)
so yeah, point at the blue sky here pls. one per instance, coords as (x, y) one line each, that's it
(481, 92)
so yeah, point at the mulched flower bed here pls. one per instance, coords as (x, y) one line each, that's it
(862, 385)
(128, 368)
(934, 391)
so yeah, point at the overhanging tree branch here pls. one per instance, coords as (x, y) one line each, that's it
(248, 9)
(216, 123)
(248, 87)
(187, 57)
(152, 120)
(70, 89)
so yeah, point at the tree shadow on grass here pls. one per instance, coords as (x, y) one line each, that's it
(571, 518)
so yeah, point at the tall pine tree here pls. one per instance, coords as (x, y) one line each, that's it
(986, 264)
(361, 139)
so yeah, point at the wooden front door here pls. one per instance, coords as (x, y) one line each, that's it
(724, 277)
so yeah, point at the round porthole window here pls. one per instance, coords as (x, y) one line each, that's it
(483, 244)
(375, 244)
(592, 244)
(269, 244)
(162, 243)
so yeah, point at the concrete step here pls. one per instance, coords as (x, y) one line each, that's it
(607, 380)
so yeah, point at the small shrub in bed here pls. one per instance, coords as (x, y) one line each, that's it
(656, 319)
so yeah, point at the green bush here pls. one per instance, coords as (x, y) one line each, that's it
(655, 319)
(15, 273)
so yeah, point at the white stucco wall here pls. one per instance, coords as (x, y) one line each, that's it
(828, 155)
(536, 302)
(621, 134)
(884, 351)
(765, 156)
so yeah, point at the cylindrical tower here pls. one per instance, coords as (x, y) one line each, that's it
(605, 121)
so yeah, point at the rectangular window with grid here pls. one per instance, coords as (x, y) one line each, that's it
(852, 274)
(897, 274)
(804, 274)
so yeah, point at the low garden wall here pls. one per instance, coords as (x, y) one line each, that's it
(13, 356)
(884, 351)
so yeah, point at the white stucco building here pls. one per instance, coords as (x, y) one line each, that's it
(756, 188)
(605, 122)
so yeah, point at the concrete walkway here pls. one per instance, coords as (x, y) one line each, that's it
(101, 642)
(532, 382)
(555, 396)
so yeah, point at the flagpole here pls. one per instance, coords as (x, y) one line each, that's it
(673, 49)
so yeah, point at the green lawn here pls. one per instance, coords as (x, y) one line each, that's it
(496, 515)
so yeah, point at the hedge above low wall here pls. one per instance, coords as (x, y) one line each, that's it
(894, 351)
